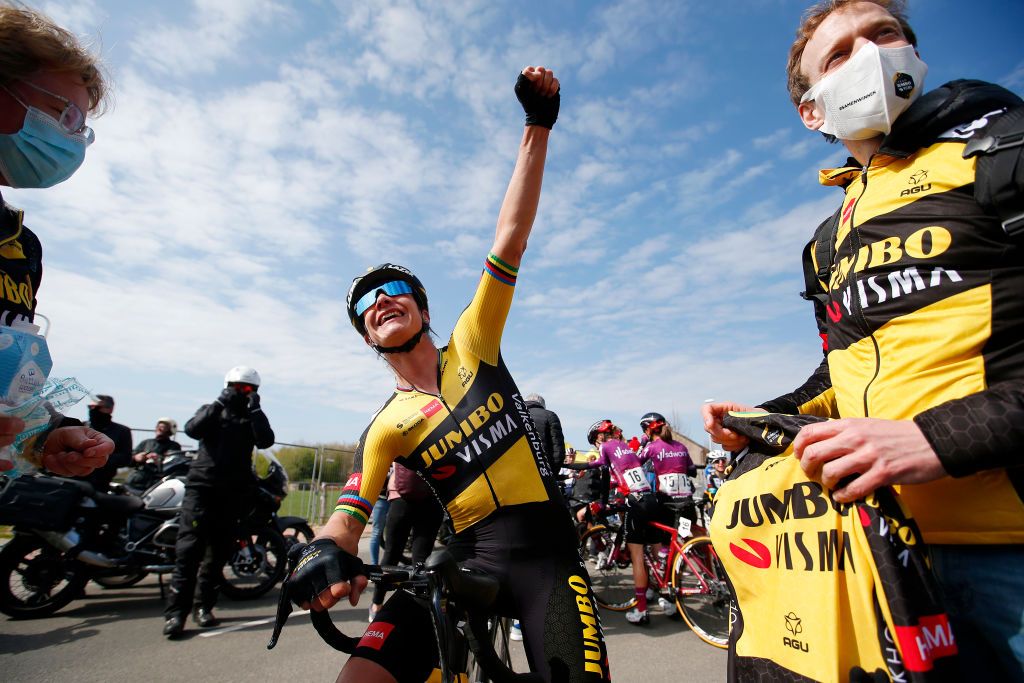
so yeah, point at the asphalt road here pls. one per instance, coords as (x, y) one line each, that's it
(114, 635)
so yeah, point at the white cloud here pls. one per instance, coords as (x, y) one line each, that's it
(215, 34)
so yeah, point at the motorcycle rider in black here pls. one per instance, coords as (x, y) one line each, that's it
(101, 411)
(220, 482)
(147, 455)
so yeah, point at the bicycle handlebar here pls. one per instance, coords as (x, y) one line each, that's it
(475, 594)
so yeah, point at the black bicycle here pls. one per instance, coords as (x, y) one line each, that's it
(473, 643)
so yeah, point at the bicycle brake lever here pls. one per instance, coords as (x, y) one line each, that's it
(284, 607)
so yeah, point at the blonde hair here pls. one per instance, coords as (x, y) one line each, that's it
(31, 42)
(796, 81)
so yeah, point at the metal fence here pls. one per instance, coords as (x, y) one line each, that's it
(315, 499)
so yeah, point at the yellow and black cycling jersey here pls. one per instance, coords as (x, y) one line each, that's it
(919, 301)
(474, 443)
(823, 591)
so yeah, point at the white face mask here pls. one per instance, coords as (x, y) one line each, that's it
(864, 96)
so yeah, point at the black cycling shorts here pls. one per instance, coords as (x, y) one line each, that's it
(637, 528)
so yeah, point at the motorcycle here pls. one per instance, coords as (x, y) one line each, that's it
(66, 533)
(262, 547)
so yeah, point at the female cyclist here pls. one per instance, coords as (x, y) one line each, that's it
(458, 420)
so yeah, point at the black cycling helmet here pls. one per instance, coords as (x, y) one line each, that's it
(376, 276)
(599, 427)
(651, 419)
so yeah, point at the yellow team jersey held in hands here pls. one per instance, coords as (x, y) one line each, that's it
(473, 443)
(824, 591)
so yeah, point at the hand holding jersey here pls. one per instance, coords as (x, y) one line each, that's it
(720, 434)
(868, 452)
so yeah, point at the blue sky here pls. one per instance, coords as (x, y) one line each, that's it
(261, 153)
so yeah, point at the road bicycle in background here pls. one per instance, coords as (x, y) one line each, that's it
(691, 575)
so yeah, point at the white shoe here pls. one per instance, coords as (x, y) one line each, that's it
(602, 560)
(666, 606)
(635, 616)
(515, 633)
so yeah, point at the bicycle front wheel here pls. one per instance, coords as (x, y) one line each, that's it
(702, 592)
(611, 573)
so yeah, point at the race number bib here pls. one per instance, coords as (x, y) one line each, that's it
(674, 484)
(685, 528)
(635, 479)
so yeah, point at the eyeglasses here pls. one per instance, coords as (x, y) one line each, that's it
(71, 119)
(393, 288)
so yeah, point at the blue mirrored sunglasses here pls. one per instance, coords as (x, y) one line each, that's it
(393, 288)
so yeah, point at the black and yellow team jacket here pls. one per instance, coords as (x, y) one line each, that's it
(21, 266)
(474, 443)
(921, 306)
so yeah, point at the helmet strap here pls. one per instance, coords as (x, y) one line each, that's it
(408, 345)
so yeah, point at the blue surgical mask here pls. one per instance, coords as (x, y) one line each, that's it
(42, 153)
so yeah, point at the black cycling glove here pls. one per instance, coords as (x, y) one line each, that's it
(317, 566)
(254, 402)
(540, 110)
(227, 395)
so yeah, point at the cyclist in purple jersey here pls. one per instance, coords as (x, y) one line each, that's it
(670, 459)
(641, 504)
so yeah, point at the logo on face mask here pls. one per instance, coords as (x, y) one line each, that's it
(903, 85)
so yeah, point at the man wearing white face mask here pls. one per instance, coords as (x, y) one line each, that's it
(48, 82)
(916, 281)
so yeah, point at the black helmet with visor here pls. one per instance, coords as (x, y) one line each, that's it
(367, 287)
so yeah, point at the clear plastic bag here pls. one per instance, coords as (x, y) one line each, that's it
(40, 410)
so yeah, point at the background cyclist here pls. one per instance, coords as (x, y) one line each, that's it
(641, 504)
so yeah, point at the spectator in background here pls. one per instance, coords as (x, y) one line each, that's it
(549, 428)
(220, 485)
(378, 518)
(413, 511)
(48, 83)
(101, 418)
(147, 455)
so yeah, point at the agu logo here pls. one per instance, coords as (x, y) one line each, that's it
(794, 626)
(376, 634)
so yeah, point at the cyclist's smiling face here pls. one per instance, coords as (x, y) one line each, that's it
(392, 320)
(844, 32)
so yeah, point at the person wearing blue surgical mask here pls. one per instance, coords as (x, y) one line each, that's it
(49, 83)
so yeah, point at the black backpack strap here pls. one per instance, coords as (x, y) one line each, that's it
(999, 177)
(819, 251)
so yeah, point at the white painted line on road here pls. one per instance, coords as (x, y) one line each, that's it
(248, 624)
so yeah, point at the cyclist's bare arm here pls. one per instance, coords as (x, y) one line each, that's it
(519, 208)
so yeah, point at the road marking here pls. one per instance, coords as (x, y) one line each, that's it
(248, 624)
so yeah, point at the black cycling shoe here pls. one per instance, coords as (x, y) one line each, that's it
(204, 617)
(174, 626)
